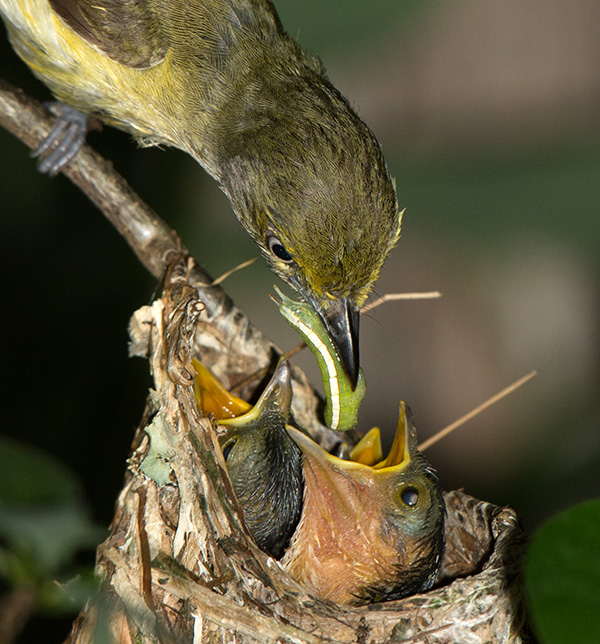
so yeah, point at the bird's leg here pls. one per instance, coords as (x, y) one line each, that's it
(65, 140)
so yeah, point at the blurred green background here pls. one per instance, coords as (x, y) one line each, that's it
(489, 117)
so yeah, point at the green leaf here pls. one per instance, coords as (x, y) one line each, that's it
(70, 596)
(562, 577)
(28, 475)
(43, 539)
(43, 521)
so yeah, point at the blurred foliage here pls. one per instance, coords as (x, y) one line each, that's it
(562, 577)
(44, 526)
(325, 27)
(30, 477)
(555, 189)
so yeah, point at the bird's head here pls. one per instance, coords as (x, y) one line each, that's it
(262, 425)
(368, 532)
(414, 493)
(314, 192)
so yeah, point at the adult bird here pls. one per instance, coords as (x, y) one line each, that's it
(221, 80)
(367, 533)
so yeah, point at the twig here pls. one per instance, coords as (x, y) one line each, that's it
(463, 419)
(223, 277)
(151, 239)
(388, 297)
(261, 373)
(393, 297)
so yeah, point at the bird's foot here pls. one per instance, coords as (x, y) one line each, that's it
(65, 140)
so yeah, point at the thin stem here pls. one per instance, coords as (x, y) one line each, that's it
(488, 403)
(393, 297)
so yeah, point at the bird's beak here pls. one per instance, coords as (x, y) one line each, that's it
(405, 437)
(341, 321)
(321, 461)
(368, 450)
(276, 399)
(212, 398)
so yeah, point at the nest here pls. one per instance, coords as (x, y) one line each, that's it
(179, 565)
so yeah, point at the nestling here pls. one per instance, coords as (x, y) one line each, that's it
(361, 531)
(367, 533)
(265, 465)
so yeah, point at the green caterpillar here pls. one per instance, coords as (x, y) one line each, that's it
(341, 403)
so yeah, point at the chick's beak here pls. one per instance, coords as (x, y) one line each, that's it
(335, 486)
(275, 400)
(341, 320)
(404, 442)
(397, 460)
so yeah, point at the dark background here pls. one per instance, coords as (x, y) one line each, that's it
(489, 117)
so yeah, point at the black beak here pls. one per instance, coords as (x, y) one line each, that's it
(341, 320)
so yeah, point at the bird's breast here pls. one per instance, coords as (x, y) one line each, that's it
(164, 102)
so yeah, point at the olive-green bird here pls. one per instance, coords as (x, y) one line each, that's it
(221, 80)
(265, 465)
(368, 533)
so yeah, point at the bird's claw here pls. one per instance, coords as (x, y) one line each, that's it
(64, 141)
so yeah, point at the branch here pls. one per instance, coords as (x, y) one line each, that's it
(147, 234)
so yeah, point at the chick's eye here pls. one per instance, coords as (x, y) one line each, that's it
(279, 250)
(409, 496)
(227, 449)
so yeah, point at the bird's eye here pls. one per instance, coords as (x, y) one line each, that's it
(409, 496)
(279, 250)
(227, 449)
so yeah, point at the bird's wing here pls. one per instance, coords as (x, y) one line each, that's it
(128, 31)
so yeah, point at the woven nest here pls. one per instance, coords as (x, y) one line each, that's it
(179, 565)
